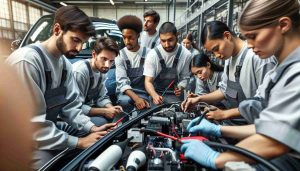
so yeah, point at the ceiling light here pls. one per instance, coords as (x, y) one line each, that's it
(63, 4)
(112, 2)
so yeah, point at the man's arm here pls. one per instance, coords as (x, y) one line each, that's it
(259, 144)
(157, 99)
(223, 114)
(238, 132)
(213, 97)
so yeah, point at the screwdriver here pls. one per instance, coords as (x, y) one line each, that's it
(164, 92)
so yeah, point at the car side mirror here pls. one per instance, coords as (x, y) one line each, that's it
(15, 44)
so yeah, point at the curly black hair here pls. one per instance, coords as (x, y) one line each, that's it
(130, 22)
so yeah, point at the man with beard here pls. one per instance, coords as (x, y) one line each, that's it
(150, 37)
(129, 66)
(166, 67)
(48, 74)
(90, 76)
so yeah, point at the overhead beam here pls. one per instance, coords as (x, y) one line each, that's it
(42, 5)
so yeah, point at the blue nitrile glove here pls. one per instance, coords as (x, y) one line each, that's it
(205, 127)
(199, 152)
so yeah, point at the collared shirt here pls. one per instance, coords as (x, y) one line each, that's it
(152, 66)
(82, 78)
(280, 120)
(29, 66)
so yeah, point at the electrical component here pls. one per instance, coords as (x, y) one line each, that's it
(138, 137)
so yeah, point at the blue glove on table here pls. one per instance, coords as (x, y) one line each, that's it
(199, 152)
(205, 127)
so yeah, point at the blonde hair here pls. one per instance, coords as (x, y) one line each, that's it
(261, 13)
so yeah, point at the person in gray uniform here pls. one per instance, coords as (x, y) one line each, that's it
(130, 66)
(166, 67)
(150, 36)
(243, 72)
(188, 42)
(90, 75)
(208, 74)
(45, 69)
(271, 29)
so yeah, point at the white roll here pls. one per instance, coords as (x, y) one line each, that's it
(107, 159)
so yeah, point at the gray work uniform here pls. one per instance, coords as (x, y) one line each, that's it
(194, 52)
(164, 68)
(210, 85)
(280, 115)
(149, 41)
(49, 138)
(129, 75)
(234, 93)
(92, 92)
(244, 75)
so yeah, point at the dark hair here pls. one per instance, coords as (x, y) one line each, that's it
(167, 27)
(201, 60)
(106, 43)
(153, 14)
(72, 18)
(130, 22)
(190, 37)
(262, 13)
(214, 30)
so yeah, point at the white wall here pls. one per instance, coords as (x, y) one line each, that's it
(117, 11)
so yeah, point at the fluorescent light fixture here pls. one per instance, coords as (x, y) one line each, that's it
(112, 2)
(63, 4)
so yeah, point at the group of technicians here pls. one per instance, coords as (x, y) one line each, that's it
(259, 83)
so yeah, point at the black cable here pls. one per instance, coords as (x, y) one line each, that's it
(245, 152)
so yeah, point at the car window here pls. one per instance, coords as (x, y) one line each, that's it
(41, 31)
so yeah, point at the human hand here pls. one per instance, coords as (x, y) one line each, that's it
(89, 140)
(111, 112)
(178, 91)
(190, 94)
(217, 114)
(141, 103)
(199, 152)
(106, 127)
(157, 99)
(205, 127)
(189, 103)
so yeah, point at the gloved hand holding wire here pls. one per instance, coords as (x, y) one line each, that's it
(205, 127)
(199, 152)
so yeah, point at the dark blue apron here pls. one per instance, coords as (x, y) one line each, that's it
(166, 75)
(92, 93)
(55, 97)
(136, 74)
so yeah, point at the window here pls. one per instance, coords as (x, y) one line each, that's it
(19, 15)
(4, 14)
(34, 15)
